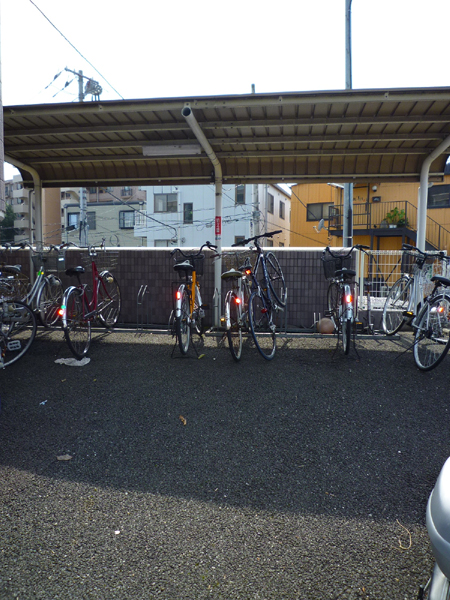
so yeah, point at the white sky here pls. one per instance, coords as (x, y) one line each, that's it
(156, 49)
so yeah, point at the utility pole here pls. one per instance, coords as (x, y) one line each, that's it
(347, 226)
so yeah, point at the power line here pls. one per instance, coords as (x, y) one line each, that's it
(76, 49)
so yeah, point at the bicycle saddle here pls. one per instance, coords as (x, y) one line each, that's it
(15, 268)
(74, 271)
(231, 274)
(184, 266)
(442, 280)
(346, 273)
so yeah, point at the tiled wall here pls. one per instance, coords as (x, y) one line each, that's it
(153, 267)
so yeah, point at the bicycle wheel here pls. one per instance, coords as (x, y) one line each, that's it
(234, 331)
(397, 302)
(77, 329)
(198, 314)
(346, 335)
(261, 326)
(432, 338)
(17, 330)
(182, 326)
(49, 301)
(333, 301)
(276, 278)
(109, 299)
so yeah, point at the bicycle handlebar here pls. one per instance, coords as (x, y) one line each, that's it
(257, 237)
(355, 247)
(207, 244)
(436, 253)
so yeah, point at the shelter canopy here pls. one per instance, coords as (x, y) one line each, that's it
(339, 136)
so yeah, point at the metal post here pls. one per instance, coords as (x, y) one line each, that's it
(347, 229)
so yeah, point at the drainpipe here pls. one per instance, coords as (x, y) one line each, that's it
(195, 127)
(38, 237)
(423, 193)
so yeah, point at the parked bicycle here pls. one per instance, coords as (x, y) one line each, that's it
(268, 296)
(13, 283)
(342, 299)
(82, 306)
(189, 310)
(406, 295)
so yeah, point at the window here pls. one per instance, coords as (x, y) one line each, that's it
(166, 203)
(162, 243)
(73, 220)
(140, 219)
(126, 191)
(240, 194)
(270, 204)
(315, 212)
(439, 196)
(126, 219)
(238, 239)
(188, 212)
(282, 207)
(91, 220)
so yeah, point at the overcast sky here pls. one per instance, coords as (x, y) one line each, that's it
(155, 49)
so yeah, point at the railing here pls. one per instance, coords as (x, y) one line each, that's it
(373, 216)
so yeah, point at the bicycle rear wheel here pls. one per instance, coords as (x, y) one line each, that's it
(234, 330)
(276, 278)
(49, 301)
(182, 325)
(397, 302)
(109, 299)
(432, 338)
(333, 301)
(77, 329)
(261, 326)
(17, 330)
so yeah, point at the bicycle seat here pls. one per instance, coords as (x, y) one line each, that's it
(74, 271)
(441, 280)
(346, 273)
(15, 268)
(184, 266)
(231, 274)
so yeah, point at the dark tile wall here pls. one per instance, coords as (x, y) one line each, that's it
(153, 268)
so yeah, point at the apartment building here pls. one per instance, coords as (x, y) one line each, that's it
(185, 215)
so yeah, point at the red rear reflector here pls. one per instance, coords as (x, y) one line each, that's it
(349, 298)
(178, 295)
(237, 300)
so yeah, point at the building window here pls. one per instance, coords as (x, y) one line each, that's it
(166, 203)
(315, 212)
(91, 221)
(127, 219)
(140, 219)
(239, 239)
(162, 243)
(270, 204)
(282, 207)
(188, 212)
(240, 194)
(73, 220)
(439, 196)
(126, 191)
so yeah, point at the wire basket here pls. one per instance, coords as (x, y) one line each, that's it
(237, 259)
(105, 260)
(51, 262)
(331, 264)
(13, 285)
(410, 259)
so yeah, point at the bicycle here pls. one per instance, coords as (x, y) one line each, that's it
(235, 319)
(341, 297)
(82, 306)
(189, 310)
(268, 296)
(13, 283)
(406, 295)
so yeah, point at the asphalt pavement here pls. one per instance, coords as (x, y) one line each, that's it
(148, 475)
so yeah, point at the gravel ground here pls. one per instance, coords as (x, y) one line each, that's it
(305, 477)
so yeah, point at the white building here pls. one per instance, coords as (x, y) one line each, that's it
(185, 215)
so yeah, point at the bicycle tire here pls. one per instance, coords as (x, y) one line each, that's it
(182, 326)
(277, 283)
(197, 315)
(17, 330)
(77, 328)
(261, 327)
(234, 331)
(397, 302)
(346, 335)
(49, 300)
(432, 337)
(333, 301)
(109, 300)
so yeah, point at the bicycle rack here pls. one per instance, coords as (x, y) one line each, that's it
(142, 309)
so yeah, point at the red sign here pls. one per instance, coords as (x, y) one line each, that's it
(218, 225)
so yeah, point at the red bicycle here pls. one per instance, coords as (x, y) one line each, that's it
(82, 305)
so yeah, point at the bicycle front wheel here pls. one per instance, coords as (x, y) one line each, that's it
(234, 330)
(432, 338)
(17, 330)
(346, 335)
(397, 302)
(276, 279)
(77, 329)
(182, 326)
(109, 300)
(261, 326)
(49, 301)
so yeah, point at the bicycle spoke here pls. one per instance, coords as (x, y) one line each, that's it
(432, 338)
(261, 326)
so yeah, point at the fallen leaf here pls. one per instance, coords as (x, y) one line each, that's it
(183, 420)
(64, 457)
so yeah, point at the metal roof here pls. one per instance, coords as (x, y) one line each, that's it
(346, 135)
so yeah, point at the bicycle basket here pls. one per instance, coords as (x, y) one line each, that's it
(331, 264)
(197, 264)
(105, 260)
(53, 262)
(409, 258)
